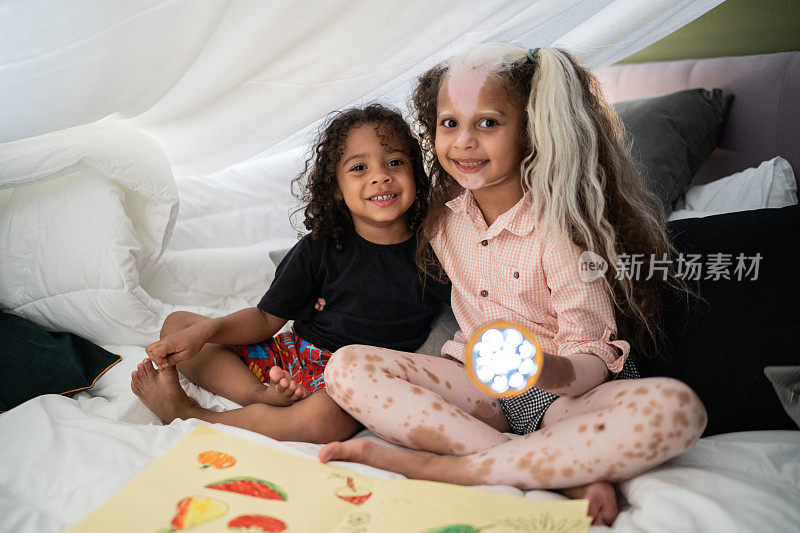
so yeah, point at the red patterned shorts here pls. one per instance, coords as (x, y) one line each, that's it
(302, 360)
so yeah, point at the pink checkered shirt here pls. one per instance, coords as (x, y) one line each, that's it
(509, 271)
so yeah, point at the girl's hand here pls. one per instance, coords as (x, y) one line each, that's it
(175, 348)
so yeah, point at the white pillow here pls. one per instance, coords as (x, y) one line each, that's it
(771, 184)
(86, 211)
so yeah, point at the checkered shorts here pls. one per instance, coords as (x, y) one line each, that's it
(525, 412)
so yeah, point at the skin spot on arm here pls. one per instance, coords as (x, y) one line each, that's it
(640, 390)
(437, 406)
(559, 372)
(416, 390)
(582, 428)
(373, 357)
(369, 367)
(448, 385)
(620, 394)
(638, 428)
(656, 421)
(567, 472)
(599, 427)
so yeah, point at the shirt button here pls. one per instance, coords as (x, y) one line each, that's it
(484, 242)
(484, 293)
(516, 275)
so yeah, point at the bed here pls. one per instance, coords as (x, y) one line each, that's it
(62, 457)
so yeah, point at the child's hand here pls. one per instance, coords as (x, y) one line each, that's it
(175, 348)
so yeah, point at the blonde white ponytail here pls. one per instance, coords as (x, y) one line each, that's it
(563, 172)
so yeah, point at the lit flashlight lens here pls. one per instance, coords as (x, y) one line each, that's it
(504, 359)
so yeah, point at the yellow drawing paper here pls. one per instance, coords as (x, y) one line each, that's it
(212, 481)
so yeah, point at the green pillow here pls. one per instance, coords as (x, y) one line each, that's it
(673, 135)
(34, 361)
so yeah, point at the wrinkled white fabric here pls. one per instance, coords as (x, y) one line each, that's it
(218, 82)
(63, 457)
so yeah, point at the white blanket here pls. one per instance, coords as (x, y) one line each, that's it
(63, 457)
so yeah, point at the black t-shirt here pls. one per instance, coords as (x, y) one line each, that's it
(372, 294)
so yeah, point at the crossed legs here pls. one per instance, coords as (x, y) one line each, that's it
(613, 432)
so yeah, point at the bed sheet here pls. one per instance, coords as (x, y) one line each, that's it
(63, 457)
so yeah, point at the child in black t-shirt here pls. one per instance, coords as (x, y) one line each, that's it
(352, 280)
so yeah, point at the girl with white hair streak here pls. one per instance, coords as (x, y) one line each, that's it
(529, 169)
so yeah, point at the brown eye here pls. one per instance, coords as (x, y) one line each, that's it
(449, 123)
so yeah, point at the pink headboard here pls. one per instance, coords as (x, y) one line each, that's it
(763, 120)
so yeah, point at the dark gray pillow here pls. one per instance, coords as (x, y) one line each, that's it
(786, 381)
(673, 135)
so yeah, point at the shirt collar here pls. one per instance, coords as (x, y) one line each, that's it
(517, 220)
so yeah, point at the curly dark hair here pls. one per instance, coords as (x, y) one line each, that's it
(316, 185)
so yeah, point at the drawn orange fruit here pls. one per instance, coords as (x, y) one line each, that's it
(216, 459)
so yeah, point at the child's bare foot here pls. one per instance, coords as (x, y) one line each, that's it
(161, 392)
(283, 390)
(602, 501)
(414, 464)
(425, 465)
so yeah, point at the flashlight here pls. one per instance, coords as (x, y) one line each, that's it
(503, 359)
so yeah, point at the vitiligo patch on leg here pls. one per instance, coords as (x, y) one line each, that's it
(679, 418)
(432, 439)
(431, 375)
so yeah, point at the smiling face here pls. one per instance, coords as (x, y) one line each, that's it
(479, 131)
(376, 182)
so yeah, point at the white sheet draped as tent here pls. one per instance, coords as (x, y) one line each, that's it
(218, 82)
(212, 102)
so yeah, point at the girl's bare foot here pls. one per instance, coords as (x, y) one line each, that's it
(282, 390)
(161, 392)
(425, 465)
(602, 501)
